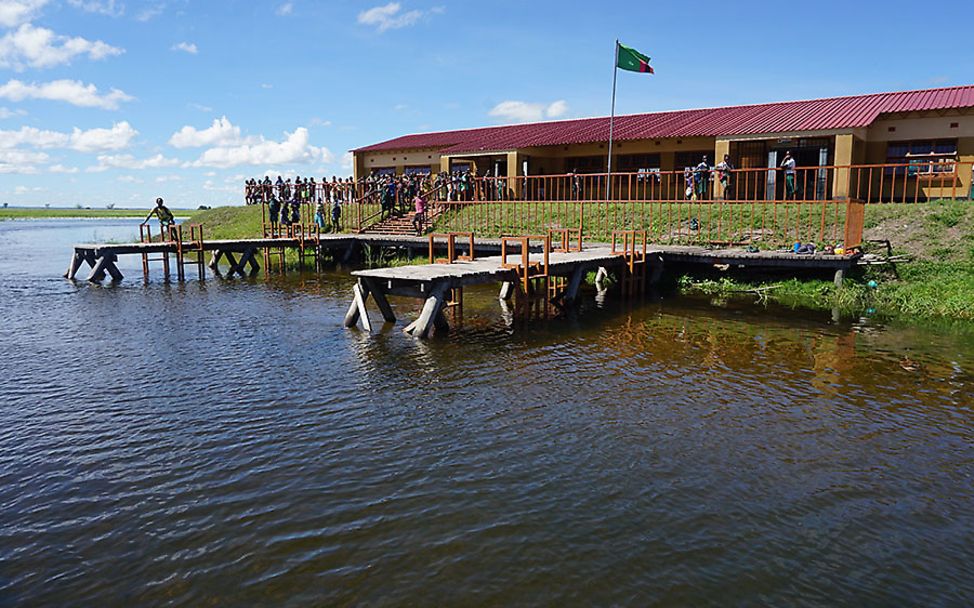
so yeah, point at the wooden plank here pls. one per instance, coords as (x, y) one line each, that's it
(380, 300)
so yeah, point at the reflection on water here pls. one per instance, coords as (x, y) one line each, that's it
(228, 442)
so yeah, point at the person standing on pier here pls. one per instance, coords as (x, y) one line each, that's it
(165, 216)
(336, 210)
(274, 210)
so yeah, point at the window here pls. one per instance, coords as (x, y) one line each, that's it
(632, 163)
(691, 159)
(585, 164)
(923, 157)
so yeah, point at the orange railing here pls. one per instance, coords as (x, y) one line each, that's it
(759, 206)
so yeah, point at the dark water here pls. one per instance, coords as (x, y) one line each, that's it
(229, 443)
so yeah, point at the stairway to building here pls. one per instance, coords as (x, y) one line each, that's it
(401, 224)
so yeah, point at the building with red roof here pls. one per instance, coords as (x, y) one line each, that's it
(864, 129)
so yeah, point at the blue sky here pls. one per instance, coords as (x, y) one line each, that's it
(120, 101)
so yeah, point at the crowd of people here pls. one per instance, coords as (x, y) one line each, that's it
(396, 194)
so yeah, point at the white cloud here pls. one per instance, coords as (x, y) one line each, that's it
(168, 178)
(285, 9)
(221, 133)
(21, 161)
(130, 179)
(390, 17)
(61, 169)
(37, 47)
(150, 13)
(119, 136)
(95, 140)
(127, 161)
(186, 47)
(295, 148)
(8, 113)
(15, 12)
(523, 111)
(110, 8)
(200, 107)
(74, 92)
(264, 85)
(320, 122)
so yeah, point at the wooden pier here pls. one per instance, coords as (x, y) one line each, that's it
(534, 271)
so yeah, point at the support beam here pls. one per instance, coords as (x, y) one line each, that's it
(655, 269)
(112, 268)
(77, 259)
(431, 310)
(600, 278)
(574, 283)
(361, 294)
(507, 290)
(215, 259)
(105, 265)
(377, 294)
(357, 310)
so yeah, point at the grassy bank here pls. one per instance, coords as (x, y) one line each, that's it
(49, 213)
(935, 277)
(922, 290)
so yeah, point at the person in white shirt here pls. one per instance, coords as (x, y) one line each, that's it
(788, 164)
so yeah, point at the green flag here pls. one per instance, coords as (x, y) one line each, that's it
(632, 60)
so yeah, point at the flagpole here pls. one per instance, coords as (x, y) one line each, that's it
(612, 117)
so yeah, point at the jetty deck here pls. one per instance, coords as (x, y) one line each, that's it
(440, 285)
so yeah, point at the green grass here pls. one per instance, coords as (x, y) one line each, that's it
(230, 222)
(246, 221)
(51, 213)
(683, 223)
(923, 290)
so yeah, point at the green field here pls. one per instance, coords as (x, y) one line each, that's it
(15, 213)
(678, 223)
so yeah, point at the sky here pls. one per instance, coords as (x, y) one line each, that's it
(116, 102)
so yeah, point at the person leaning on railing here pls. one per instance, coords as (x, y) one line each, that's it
(724, 169)
(165, 216)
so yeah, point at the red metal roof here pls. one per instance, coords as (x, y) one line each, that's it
(812, 115)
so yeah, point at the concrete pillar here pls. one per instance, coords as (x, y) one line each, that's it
(444, 164)
(721, 147)
(844, 145)
(514, 171)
